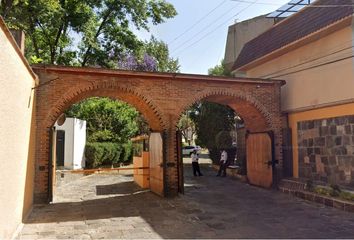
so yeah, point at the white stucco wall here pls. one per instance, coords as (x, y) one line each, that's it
(79, 143)
(17, 136)
(75, 140)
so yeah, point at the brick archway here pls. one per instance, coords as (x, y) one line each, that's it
(257, 117)
(145, 106)
(160, 97)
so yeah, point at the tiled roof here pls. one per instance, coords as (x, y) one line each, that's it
(307, 21)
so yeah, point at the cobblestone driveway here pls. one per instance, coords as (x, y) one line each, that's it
(111, 206)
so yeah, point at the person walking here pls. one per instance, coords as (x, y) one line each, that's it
(223, 164)
(195, 163)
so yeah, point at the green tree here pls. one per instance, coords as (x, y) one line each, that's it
(213, 121)
(107, 120)
(187, 128)
(219, 70)
(83, 32)
(159, 51)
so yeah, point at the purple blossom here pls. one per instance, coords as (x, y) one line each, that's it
(129, 62)
(148, 64)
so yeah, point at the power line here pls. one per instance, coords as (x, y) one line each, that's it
(316, 66)
(200, 39)
(197, 22)
(311, 60)
(208, 26)
(258, 3)
(311, 5)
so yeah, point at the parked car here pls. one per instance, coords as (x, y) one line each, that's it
(187, 150)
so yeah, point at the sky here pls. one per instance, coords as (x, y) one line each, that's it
(197, 35)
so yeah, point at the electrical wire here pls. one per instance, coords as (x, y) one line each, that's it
(177, 51)
(197, 22)
(315, 66)
(201, 31)
(311, 5)
(217, 27)
(318, 57)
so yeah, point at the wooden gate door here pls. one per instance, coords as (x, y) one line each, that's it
(259, 159)
(156, 163)
(180, 162)
(52, 163)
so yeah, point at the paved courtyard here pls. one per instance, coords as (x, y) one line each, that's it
(112, 206)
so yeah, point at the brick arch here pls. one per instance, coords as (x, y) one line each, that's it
(47, 116)
(255, 115)
(160, 97)
(145, 106)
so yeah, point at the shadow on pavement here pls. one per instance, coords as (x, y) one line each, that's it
(118, 188)
(211, 208)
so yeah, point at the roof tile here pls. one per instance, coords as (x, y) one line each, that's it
(307, 21)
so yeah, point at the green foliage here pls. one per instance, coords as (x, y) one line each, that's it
(213, 123)
(127, 153)
(35, 60)
(219, 70)
(211, 119)
(102, 153)
(334, 191)
(107, 120)
(159, 51)
(309, 185)
(223, 140)
(110, 126)
(187, 128)
(83, 32)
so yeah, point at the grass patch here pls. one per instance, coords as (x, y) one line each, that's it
(334, 191)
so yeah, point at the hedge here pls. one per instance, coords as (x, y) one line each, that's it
(107, 153)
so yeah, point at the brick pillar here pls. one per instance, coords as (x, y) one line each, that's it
(241, 146)
(171, 163)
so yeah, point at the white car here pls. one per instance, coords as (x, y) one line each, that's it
(187, 150)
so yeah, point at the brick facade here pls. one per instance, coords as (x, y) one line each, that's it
(160, 98)
(326, 150)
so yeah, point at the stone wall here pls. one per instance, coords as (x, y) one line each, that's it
(326, 150)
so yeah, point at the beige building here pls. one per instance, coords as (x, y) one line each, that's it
(17, 135)
(313, 51)
(240, 33)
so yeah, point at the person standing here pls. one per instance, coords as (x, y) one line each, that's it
(195, 163)
(223, 164)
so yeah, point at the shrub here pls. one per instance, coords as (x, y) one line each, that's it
(223, 140)
(214, 155)
(127, 152)
(335, 190)
(102, 153)
(309, 185)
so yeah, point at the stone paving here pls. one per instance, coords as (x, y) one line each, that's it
(104, 206)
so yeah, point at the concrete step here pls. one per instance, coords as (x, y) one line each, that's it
(291, 185)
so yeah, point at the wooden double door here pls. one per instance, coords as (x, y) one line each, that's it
(260, 158)
(156, 163)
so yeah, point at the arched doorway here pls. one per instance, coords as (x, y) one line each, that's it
(45, 130)
(161, 98)
(262, 138)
